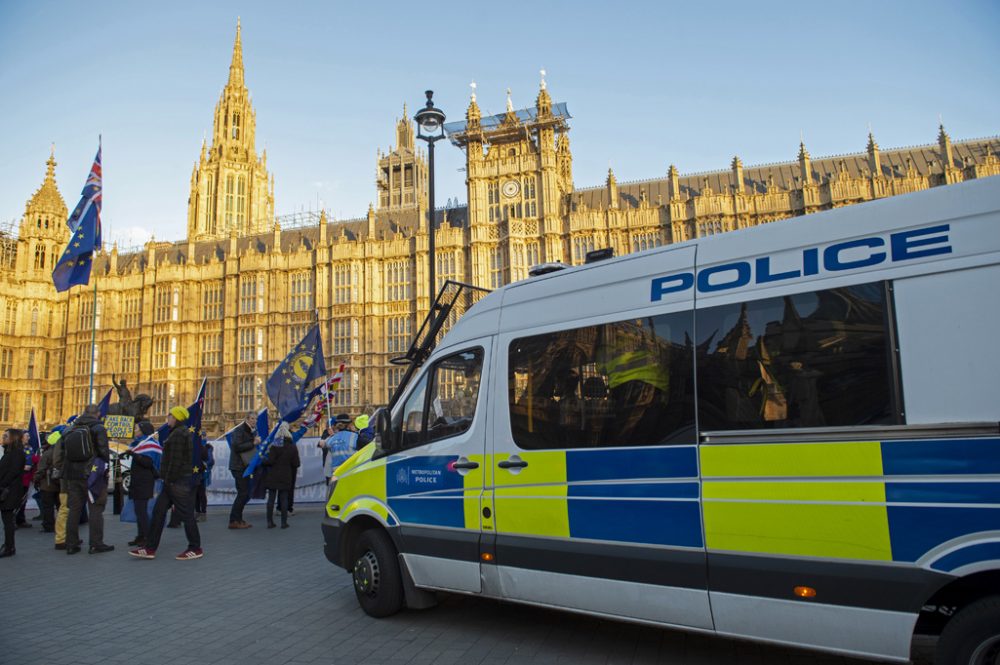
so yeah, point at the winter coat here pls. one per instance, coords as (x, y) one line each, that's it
(242, 442)
(43, 474)
(11, 469)
(281, 463)
(143, 475)
(99, 442)
(178, 451)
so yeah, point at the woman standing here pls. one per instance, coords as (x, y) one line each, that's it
(11, 487)
(282, 461)
(143, 475)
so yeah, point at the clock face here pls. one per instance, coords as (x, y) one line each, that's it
(510, 188)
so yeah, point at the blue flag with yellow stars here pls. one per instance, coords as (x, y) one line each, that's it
(85, 234)
(288, 385)
(193, 425)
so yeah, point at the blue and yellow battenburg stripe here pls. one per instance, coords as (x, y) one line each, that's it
(872, 501)
(856, 500)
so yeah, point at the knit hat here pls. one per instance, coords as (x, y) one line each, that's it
(180, 413)
(53, 438)
(146, 427)
(361, 421)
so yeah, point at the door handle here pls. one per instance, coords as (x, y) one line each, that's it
(465, 465)
(515, 464)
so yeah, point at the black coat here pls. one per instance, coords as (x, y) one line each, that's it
(99, 441)
(242, 443)
(143, 477)
(282, 462)
(11, 468)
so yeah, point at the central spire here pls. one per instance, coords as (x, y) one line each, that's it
(236, 66)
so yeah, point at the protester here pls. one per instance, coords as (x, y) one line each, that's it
(144, 472)
(11, 487)
(27, 478)
(207, 464)
(82, 477)
(244, 441)
(282, 462)
(366, 434)
(62, 515)
(175, 469)
(341, 445)
(47, 483)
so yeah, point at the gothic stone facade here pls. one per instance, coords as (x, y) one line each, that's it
(227, 302)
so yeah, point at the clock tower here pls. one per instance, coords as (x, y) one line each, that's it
(519, 173)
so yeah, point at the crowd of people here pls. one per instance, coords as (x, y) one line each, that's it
(70, 477)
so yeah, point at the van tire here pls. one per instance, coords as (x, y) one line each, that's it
(378, 583)
(972, 637)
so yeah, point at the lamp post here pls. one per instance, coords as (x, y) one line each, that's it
(430, 128)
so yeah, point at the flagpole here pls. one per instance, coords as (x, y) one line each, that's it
(93, 318)
(326, 383)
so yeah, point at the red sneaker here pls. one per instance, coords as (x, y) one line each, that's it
(143, 553)
(190, 554)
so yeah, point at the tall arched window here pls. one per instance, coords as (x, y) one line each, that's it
(34, 321)
(241, 201)
(236, 125)
(230, 187)
(39, 256)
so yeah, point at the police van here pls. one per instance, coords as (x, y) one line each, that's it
(786, 434)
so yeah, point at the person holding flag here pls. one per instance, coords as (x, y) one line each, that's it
(85, 234)
(80, 479)
(242, 441)
(175, 470)
(145, 452)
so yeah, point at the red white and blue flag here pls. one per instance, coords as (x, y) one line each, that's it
(85, 234)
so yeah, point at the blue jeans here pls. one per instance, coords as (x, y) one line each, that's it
(242, 496)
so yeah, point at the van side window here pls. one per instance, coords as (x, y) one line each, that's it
(450, 406)
(618, 384)
(806, 360)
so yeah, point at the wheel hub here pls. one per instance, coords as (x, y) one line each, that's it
(366, 574)
(987, 653)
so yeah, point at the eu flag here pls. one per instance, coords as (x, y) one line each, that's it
(34, 439)
(287, 386)
(194, 429)
(85, 229)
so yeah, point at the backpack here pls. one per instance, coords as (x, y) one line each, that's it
(77, 446)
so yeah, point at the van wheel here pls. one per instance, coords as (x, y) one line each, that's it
(972, 637)
(378, 582)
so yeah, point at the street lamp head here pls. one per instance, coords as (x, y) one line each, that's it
(430, 120)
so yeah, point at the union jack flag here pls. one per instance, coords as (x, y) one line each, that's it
(148, 446)
(325, 400)
(85, 234)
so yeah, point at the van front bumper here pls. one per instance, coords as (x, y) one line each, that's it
(333, 530)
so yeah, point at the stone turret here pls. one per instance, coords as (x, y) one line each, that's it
(805, 165)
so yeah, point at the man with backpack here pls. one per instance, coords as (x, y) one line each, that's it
(84, 449)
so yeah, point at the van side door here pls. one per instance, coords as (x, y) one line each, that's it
(596, 491)
(434, 484)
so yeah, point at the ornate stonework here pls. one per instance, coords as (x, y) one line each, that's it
(228, 301)
(229, 184)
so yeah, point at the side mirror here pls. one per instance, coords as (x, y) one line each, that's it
(384, 438)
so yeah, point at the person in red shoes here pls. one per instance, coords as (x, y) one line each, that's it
(175, 470)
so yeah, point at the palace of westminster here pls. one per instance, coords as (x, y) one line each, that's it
(228, 301)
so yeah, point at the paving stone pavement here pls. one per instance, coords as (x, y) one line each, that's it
(270, 596)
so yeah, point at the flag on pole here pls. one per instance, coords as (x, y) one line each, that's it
(104, 404)
(288, 385)
(34, 439)
(327, 395)
(85, 234)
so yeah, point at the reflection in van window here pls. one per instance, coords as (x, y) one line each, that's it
(805, 360)
(618, 384)
(451, 406)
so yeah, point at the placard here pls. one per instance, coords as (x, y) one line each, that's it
(119, 427)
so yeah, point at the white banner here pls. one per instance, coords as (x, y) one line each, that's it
(310, 485)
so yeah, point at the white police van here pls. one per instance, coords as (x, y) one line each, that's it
(787, 434)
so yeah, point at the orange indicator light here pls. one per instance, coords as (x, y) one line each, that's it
(805, 592)
(486, 556)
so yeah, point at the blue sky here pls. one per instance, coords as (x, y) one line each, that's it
(649, 84)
